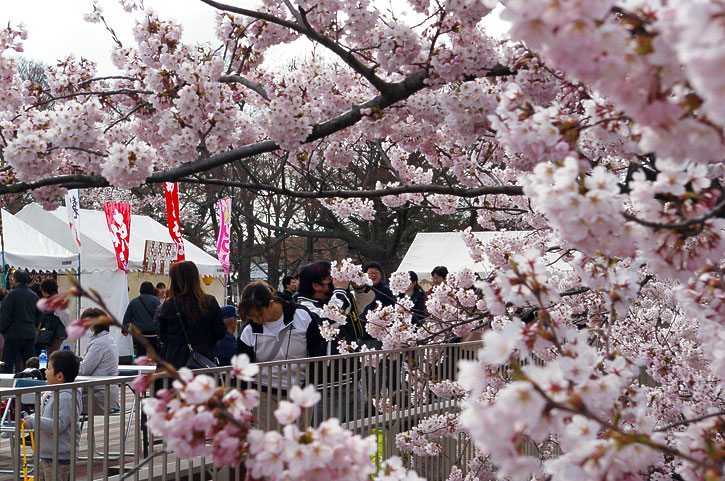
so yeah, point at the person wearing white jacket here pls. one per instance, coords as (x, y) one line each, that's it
(101, 359)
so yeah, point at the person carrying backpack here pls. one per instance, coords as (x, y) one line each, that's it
(141, 312)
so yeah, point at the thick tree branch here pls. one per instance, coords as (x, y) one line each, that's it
(511, 190)
(398, 92)
(247, 83)
(698, 222)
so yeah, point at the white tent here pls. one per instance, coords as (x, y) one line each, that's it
(99, 269)
(431, 249)
(26, 248)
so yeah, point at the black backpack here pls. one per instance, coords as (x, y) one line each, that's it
(51, 328)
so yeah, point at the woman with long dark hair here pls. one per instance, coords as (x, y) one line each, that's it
(416, 294)
(199, 312)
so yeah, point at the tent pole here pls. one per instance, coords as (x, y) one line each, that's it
(78, 302)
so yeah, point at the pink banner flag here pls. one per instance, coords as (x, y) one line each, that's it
(72, 207)
(118, 218)
(172, 215)
(222, 243)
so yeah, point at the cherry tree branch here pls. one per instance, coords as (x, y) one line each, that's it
(247, 83)
(345, 55)
(614, 430)
(511, 190)
(718, 210)
(685, 422)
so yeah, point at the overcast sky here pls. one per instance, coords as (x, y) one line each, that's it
(56, 28)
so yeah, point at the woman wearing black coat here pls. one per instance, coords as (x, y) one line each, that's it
(200, 313)
(416, 294)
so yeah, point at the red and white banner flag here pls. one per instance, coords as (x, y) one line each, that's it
(171, 189)
(222, 242)
(73, 208)
(118, 218)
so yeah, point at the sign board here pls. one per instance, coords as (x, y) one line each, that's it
(158, 256)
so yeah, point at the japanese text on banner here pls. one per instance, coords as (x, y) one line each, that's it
(72, 206)
(118, 218)
(222, 243)
(172, 214)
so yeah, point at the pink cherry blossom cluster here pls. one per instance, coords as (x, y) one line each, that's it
(422, 439)
(344, 208)
(584, 208)
(326, 452)
(346, 270)
(399, 282)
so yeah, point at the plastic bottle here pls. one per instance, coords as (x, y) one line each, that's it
(43, 360)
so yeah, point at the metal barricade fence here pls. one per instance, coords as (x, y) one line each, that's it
(378, 393)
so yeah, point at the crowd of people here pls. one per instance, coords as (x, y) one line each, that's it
(169, 318)
(187, 326)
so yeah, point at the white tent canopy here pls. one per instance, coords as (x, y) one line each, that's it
(431, 249)
(26, 248)
(99, 269)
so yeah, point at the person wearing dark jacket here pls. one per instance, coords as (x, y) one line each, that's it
(381, 293)
(226, 347)
(289, 286)
(19, 316)
(141, 312)
(51, 332)
(200, 313)
(416, 294)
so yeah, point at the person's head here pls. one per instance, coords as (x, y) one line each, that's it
(49, 287)
(63, 367)
(315, 281)
(36, 289)
(32, 363)
(161, 290)
(21, 276)
(289, 283)
(259, 304)
(374, 271)
(185, 286)
(229, 312)
(147, 287)
(439, 274)
(414, 281)
(96, 313)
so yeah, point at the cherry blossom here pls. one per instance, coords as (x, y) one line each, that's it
(594, 126)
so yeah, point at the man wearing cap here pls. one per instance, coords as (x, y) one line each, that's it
(226, 347)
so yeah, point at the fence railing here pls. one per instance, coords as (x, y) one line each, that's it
(378, 393)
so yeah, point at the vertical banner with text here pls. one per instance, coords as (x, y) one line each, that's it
(118, 218)
(222, 243)
(72, 207)
(171, 189)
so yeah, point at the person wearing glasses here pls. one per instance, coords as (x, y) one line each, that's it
(317, 289)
